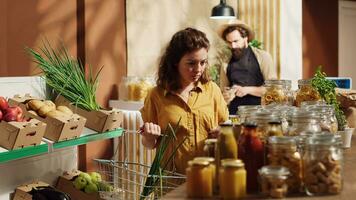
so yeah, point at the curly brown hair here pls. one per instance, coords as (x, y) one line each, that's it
(182, 42)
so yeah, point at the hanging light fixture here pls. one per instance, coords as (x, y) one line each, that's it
(222, 11)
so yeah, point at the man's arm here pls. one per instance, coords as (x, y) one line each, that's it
(251, 90)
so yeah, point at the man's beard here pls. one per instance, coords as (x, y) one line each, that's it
(237, 52)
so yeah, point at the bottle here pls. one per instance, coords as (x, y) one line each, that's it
(199, 179)
(232, 179)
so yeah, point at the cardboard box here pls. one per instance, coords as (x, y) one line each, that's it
(100, 121)
(15, 135)
(22, 192)
(65, 184)
(58, 128)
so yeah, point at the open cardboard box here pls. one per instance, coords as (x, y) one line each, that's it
(15, 135)
(65, 184)
(22, 191)
(100, 121)
(58, 128)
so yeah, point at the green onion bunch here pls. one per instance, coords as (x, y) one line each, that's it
(66, 76)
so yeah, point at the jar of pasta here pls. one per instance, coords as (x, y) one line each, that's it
(303, 121)
(306, 92)
(273, 180)
(127, 88)
(326, 117)
(322, 165)
(283, 151)
(276, 91)
(232, 179)
(199, 179)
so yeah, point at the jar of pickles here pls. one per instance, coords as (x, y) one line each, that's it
(303, 121)
(273, 180)
(251, 152)
(210, 147)
(199, 179)
(322, 165)
(306, 92)
(232, 179)
(283, 151)
(277, 91)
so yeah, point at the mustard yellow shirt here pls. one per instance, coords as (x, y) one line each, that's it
(203, 112)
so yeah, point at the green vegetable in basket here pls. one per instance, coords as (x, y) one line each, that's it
(326, 89)
(66, 76)
(159, 165)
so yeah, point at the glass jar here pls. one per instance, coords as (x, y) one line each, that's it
(251, 152)
(306, 92)
(303, 121)
(244, 112)
(131, 83)
(326, 117)
(322, 165)
(199, 179)
(213, 169)
(126, 88)
(273, 180)
(262, 117)
(283, 151)
(276, 91)
(227, 146)
(232, 179)
(274, 128)
(209, 147)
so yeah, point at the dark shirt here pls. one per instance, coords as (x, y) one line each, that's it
(244, 71)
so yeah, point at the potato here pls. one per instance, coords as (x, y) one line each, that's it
(35, 104)
(33, 112)
(44, 110)
(49, 103)
(65, 110)
(55, 114)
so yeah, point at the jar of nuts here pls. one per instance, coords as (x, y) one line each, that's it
(303, 121)
(322, 164)
(306, 92)
(273, 181)
(283, 151)
(277, 91)
(326, 117)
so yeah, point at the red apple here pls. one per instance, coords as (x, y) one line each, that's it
(11, 114)
(1, 115)
(19, 112)
(3, 103)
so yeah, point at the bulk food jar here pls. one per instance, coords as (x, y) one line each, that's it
(232, 179)
(251, 152)
(199, 179)
(306, 92)
(326, 117)
(283, 151)
(322, 165)
(277, 91)
(303, 121)
(273, 180)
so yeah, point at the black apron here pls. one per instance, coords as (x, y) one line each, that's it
(244, 71)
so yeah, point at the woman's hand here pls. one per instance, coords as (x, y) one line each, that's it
(214, 133)
(229, 94)
(150, 132)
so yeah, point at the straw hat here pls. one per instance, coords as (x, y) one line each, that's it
(239, 23)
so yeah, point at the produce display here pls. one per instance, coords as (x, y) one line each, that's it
(47, 109)
(10, 113)
(91, 182)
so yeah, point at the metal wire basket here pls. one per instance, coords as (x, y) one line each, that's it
(127, 179)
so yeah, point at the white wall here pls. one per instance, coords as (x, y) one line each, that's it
(291, 40)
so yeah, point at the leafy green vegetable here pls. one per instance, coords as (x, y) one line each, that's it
(326, 89)
(66, 76)
(255, 43)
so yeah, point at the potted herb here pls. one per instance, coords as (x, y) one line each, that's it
(326, 89)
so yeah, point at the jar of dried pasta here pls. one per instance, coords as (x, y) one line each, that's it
(322, 165)
(283, 151)
(276, 91)
(306, 92)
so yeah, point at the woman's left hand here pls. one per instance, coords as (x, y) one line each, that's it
(214, 133)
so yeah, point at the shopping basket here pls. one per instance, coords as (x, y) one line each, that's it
(128, 179)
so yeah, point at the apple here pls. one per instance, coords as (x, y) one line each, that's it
(19, 111)
(95, 177)
(80, 182)
(11, 114)
(102, 186)
(1, 115)
(86, 176)
(91, 188)
(3, 104)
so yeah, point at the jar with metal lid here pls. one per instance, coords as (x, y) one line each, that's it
(262, 118)
(199, 179)
(276, 91)
(232, 179)
(283, 151)
(303, 121)
(252, 153)
(245, 111)
(274, 128)
(306, 92)
(326, 117)
(210, 146)
(213, 169)
(227, 145)
(273, 180)
(322, 164)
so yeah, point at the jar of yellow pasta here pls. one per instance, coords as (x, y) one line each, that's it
(277, 91)
(199, 179)
(306, 92)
